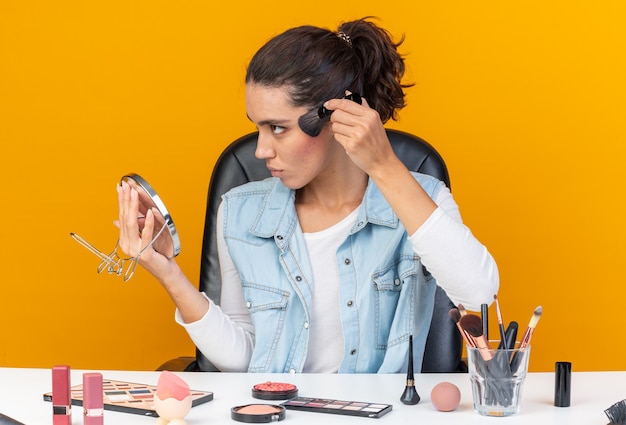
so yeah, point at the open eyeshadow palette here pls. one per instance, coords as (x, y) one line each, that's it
(339, 407)
(129, 397)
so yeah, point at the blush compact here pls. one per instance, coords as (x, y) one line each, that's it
(257, 413)
(274, 391)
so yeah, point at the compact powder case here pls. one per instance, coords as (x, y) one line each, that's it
(257, 413)
(274, 391)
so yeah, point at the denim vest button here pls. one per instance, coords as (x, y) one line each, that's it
(279, 237)
(353, 352)
(347, 261)
(248, 304)
(396, 282)
(350, 303)
(292, 371)
(299, 278)
(306, 325)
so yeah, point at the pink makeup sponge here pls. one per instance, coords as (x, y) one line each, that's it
(171, 386)
(445, 396)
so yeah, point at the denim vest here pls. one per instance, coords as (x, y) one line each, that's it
(385, 292)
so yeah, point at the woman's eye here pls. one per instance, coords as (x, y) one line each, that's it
(276, 129)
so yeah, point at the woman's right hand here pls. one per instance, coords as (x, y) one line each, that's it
(134, 238)
(191, 304)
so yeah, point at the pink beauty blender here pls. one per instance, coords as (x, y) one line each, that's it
(445, 396)
(171, 386)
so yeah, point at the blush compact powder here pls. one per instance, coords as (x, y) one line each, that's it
(274, 391)
(257, 413)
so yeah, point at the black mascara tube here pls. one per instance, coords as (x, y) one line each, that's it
(562, 384)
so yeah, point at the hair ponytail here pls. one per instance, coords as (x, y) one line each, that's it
(382, 67)
(317, 64)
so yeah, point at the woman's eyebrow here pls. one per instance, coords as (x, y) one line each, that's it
(278, 122)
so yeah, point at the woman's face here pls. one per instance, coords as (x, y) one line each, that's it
(290, 154)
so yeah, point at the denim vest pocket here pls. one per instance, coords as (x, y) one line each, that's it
(394, 287)
(268, 308)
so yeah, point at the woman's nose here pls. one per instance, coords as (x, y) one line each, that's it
(264, 149)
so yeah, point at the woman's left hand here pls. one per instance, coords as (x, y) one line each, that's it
(358, 128)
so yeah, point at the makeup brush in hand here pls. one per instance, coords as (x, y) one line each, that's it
(313, 121)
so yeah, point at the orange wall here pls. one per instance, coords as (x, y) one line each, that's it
(524, 100)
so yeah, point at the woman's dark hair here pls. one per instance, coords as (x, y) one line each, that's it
(317, 64)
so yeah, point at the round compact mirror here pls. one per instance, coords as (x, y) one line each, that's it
(165, 236)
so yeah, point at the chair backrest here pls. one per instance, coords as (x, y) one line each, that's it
(237, 165)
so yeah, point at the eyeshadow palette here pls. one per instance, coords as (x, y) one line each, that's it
(129, 397)
(338, 407)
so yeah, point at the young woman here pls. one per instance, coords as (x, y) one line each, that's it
(333, 262)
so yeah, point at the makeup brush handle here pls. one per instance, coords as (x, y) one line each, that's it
(466, 336)
(526, 338)
(482, 344)
(484, 315)
(511, 335)
(503, 341)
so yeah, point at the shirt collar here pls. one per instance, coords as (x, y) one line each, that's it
(277, 213)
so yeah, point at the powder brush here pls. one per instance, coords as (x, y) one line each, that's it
(473, 325)
(455, 315)
(313, 121)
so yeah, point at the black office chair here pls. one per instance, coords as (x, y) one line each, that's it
(237, 165)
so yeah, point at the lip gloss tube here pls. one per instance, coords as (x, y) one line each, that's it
(93, 404)
(61, 399)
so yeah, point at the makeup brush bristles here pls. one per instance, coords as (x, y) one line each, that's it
(313, 121)
(525, 341)
(473, 325)
(455, 315)
(535, 318)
